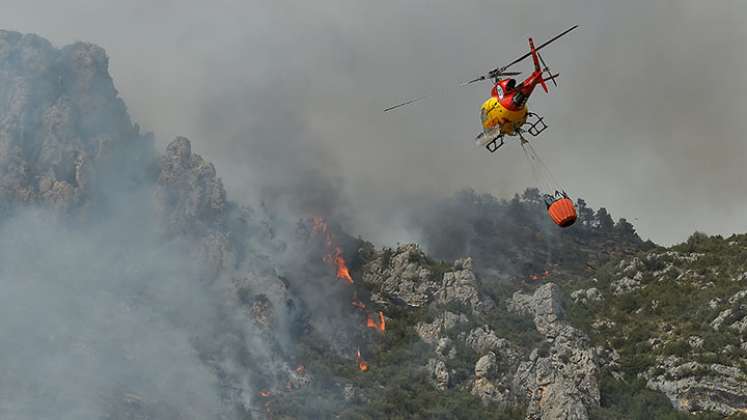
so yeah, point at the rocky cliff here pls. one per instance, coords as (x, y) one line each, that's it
(63, 127)
(506, 316)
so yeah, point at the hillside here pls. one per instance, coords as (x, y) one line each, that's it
(135, 287)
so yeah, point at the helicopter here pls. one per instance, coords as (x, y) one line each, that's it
(505, 113)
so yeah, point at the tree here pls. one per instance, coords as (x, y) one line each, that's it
(532, 194)
(605, 220)
(625, 230)
(585, 213)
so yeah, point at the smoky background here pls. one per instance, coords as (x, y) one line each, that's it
(288, 95)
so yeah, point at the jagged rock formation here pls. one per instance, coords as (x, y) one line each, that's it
(695, 387)
(190, 195)
(560, 379)
(191, 201)
(62, 125)
(407, 275)
(401, 273)
(496, 367)
(671, 319)
(676, 319)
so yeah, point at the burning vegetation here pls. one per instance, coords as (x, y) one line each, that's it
(362, 365)
(333, 256)
(373, 324)
(539, 277)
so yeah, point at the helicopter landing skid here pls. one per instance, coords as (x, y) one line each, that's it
(491, 142)
(534, 124)
(493, 145)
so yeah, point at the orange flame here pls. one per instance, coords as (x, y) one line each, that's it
(265, 394)
(334, 253)
(371, 323)
(362, 365)
(536, 277)
(342, 268)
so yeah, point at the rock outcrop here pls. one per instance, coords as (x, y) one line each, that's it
(64, 131)
(560, 378)
(190, 200)
(67, 143)
(494, 370)
(190, 195)
(402, 274)
(406, 274)
(694, 387)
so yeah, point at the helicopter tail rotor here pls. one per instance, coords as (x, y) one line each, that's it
(536, 59)
(552, 77)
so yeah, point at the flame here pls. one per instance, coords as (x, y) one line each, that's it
(537, 277)
(334, 253)
(362, 365)
(374, 325)
(370, 323)
(342, 268)
(264, 394)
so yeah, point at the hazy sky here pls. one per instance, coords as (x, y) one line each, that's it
(647, 120)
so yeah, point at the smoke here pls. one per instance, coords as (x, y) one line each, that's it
(132, 288)
(105, 312)
(646, 120)
(286, 100)
(96, 316)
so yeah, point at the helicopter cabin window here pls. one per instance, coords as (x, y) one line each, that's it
(483, 115)
(519, 99)
(499, 91)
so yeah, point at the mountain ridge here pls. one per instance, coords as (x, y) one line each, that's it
(506, 317)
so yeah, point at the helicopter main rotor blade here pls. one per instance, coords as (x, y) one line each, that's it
(420, 98)
(525, 56)
(483, 77)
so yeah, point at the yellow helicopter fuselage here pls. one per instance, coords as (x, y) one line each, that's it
(497, 119)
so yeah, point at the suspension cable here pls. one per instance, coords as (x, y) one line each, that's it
(534, 161)
(541, 162)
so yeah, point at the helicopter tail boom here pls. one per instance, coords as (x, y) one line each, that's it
(537, 68)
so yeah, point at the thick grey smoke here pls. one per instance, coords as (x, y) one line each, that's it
(108, 310)
(646, 120)
(104, 320)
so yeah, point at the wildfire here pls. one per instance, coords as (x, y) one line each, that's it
(380, 325)
(334, 253)
(537, 277)
(362, 365)
(335, 258)
(342, 268)
(264, 394)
